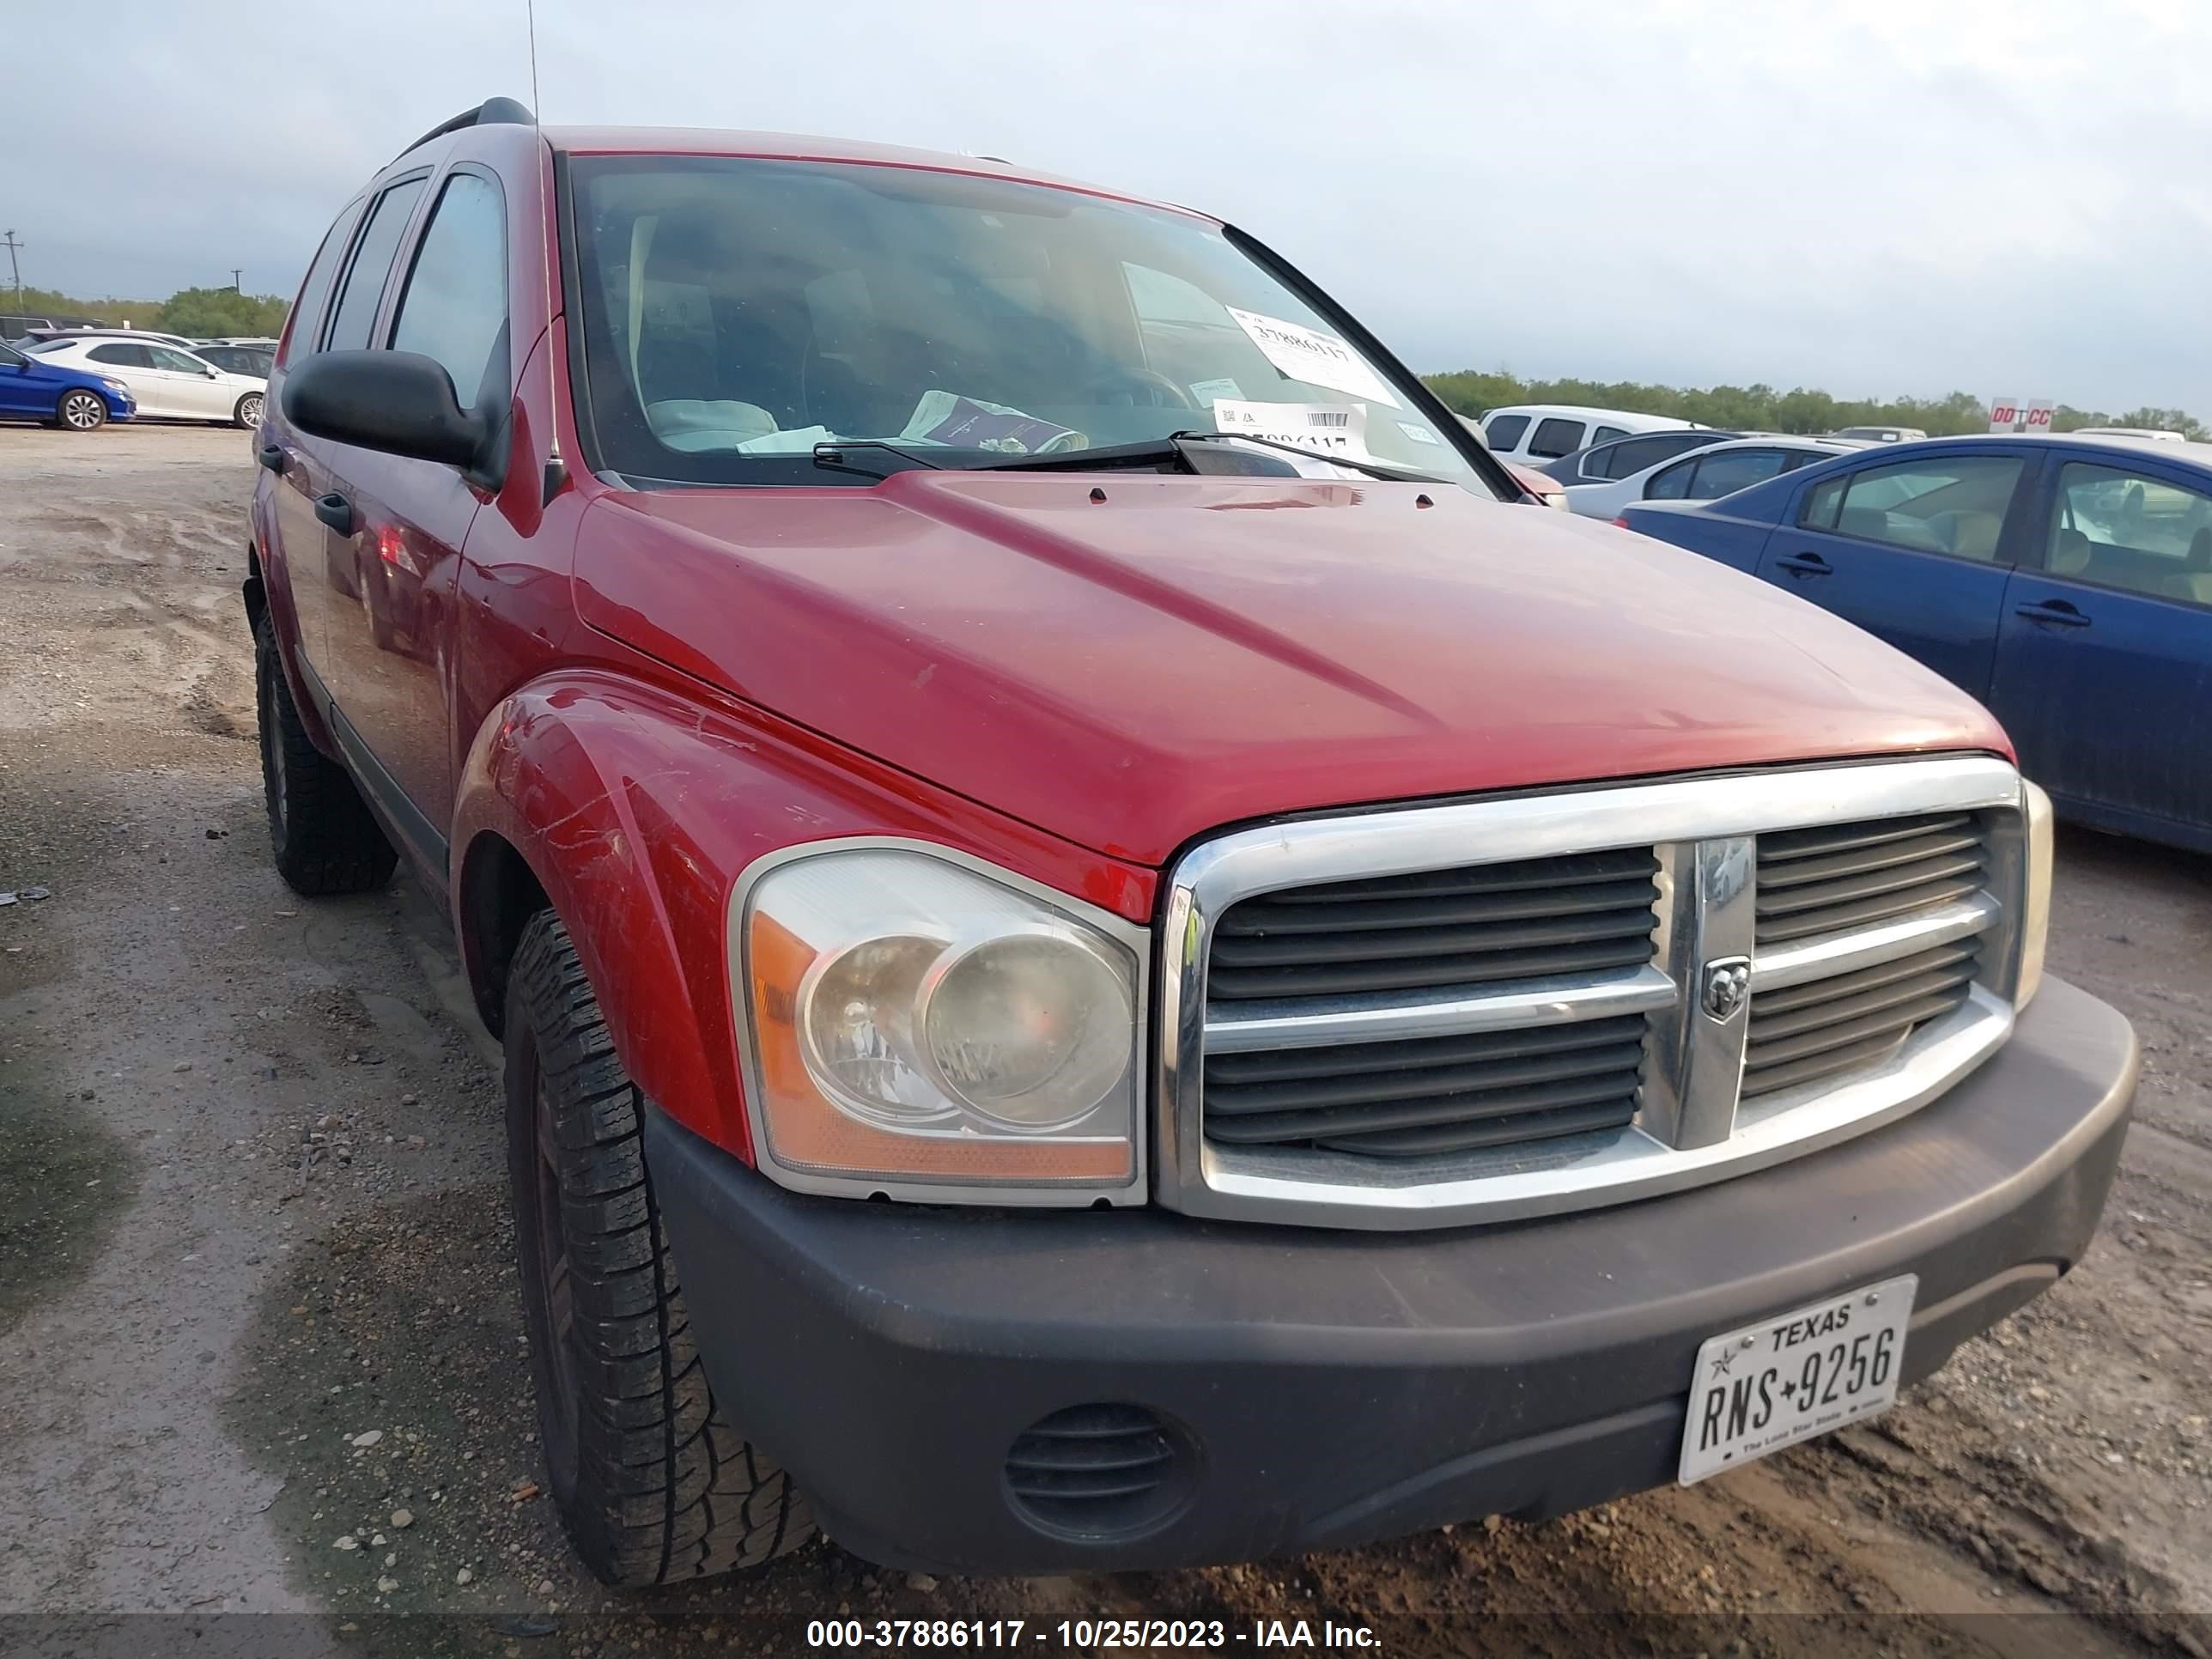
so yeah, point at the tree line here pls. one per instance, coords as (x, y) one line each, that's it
(205, 312)
(1762, 408)
(198, 314)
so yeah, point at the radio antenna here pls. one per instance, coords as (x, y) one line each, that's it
(556, 470)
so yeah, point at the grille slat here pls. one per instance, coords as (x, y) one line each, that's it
(1271, 918)
(1550, 1125)
(1385, 943)
(1834, 877)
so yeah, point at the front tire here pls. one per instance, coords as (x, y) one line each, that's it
(652, 1485)
(321, 832)
(80, 410)
(248, 412)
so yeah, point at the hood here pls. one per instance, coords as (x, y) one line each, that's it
(1185, 652)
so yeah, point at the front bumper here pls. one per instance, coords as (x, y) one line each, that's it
(1324, 1388)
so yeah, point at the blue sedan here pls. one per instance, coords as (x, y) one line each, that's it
(2066, 582)
(31, 388)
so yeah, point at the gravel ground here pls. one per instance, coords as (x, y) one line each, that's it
(260, 1346)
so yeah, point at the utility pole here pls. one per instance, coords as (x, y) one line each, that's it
(235, 273)
(15, 271)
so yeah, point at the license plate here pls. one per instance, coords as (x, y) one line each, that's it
(1795, 1376)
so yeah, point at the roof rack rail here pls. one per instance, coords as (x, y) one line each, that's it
(493, 112)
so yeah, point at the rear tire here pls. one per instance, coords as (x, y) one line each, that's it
(80, 410)
(652, 1485)
(248, 412)
(322, 833)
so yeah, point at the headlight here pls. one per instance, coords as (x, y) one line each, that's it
(113, 385)
(915, 1018)
(2035, 906)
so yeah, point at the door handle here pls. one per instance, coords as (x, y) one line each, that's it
(1805, 564)
(336, 511)
(2059, 613)
(273, 457)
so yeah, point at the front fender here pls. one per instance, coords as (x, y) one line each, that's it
(636, 807)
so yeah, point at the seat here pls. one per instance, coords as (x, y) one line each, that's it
(693, 424)
(2070, 553)
(1969, 534)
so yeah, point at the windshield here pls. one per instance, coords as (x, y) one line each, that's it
(737, 313)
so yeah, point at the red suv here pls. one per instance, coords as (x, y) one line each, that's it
(1181, 974)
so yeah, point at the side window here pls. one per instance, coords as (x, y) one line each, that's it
(356, 312)
(1555, 437)
(1631, 457)
(454, 308)
(1606, 434)
(1504, 431)
(306, 318)
(122, 356)
(1733, 470)
(1673, 484)
(176, 362)
(2133, 531)
(1953, 505)
(1821, 507)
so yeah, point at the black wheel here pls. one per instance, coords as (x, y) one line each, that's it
(80, 410)
(248, 412)
(652, 1485)
(323, 835)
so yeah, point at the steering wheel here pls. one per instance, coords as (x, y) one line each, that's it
(1137, 388)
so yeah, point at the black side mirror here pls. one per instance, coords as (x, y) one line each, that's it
(399, 402)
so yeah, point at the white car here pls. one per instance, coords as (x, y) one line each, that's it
(1720, 469)
(1532, 434)
(166, 382)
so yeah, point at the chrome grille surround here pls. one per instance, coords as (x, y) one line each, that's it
(1693, 1125)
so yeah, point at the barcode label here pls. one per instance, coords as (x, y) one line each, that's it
(1329, 417)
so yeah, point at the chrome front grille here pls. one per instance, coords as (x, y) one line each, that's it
(1511, 1007)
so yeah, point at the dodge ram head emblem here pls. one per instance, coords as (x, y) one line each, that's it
(1727, 983)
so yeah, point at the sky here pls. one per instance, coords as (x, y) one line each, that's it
(1872, 199)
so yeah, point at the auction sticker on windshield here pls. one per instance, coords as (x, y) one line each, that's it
(1325, 429)
(1797, 1375)
(1307, 354)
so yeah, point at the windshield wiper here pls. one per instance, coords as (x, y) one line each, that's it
(833, 455)
(1372, 469)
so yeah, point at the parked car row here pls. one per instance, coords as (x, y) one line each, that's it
(2066, 581)
(83, 378)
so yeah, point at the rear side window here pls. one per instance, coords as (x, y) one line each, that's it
(1673, 484)
(1953, 505)
(1504, 431)
(454, 309)
(2134, 530)
(1625, 461)
(122, 356)
(372, 263)
(1735, 469)
(307, 320)
(1556, 437)
(1606, 434)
